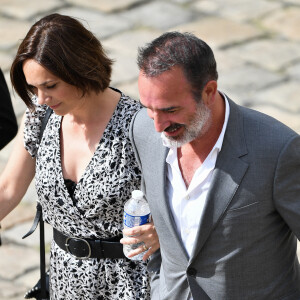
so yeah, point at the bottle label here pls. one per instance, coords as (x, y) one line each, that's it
(131, 221)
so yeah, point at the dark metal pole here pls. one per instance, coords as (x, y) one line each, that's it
(42, 259)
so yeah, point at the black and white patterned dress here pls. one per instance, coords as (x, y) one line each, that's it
(96, 210)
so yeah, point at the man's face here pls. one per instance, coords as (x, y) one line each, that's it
(170, 103)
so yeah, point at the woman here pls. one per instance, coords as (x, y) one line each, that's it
(82, 184)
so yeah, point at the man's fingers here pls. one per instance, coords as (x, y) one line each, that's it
(132, 231)
(139, 230)
(129, 240)
(145, 234)
(136, 251)
(147, 254)
(150, 250)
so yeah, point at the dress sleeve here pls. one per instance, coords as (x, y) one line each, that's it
(32, 126)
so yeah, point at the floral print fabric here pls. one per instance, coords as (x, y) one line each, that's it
(97, 211)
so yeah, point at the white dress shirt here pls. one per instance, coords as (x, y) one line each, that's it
(187, 204)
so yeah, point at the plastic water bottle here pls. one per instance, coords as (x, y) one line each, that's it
(136, 213)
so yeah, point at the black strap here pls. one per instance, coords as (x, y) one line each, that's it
(89, 248)
(42, 260)
(44, 122)
(39, 219)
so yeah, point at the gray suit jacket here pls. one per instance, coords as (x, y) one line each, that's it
(246, 242)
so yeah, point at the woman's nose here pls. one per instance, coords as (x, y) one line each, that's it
(42, 97)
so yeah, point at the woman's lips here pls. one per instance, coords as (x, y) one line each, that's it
(54, 106)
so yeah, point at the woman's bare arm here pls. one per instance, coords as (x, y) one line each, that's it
(16, 176)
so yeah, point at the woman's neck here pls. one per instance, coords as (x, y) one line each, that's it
(94, 107)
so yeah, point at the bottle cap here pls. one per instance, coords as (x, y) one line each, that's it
(137, 194)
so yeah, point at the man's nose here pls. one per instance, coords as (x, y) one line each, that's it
(160, 122)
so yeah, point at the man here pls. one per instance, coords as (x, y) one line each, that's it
(8, 122)
(222, 181)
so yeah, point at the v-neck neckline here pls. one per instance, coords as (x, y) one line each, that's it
(101, 141)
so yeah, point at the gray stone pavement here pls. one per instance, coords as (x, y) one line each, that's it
(257, 47)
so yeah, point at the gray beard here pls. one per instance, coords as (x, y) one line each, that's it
(195, 129)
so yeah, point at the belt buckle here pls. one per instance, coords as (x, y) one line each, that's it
(80, 239)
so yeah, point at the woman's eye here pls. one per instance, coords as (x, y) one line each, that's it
(51, 86)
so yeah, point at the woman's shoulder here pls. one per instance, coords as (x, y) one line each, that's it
(125, 110)
(129, 105)
(32, 126)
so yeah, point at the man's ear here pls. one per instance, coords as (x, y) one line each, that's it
(209, 92)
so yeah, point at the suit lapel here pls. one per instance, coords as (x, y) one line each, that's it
(157, 166)
(227, 176)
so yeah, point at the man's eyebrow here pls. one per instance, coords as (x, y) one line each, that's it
(162, 109)
(169, 108)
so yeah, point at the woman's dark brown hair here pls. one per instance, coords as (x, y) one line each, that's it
(63, 46)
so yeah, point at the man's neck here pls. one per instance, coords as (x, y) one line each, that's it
(192, 155)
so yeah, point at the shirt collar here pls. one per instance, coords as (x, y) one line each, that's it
(220, 140)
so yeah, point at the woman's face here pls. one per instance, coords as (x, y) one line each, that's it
(62, 97)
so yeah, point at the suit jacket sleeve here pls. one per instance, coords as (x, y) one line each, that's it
(154, 270)
(8, 122)
(287, 184)
(155, 259)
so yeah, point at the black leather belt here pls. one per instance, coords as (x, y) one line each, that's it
(88, 248)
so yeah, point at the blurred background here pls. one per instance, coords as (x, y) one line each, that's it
(257, 48)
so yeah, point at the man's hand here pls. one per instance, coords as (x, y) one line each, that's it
(145, 234)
